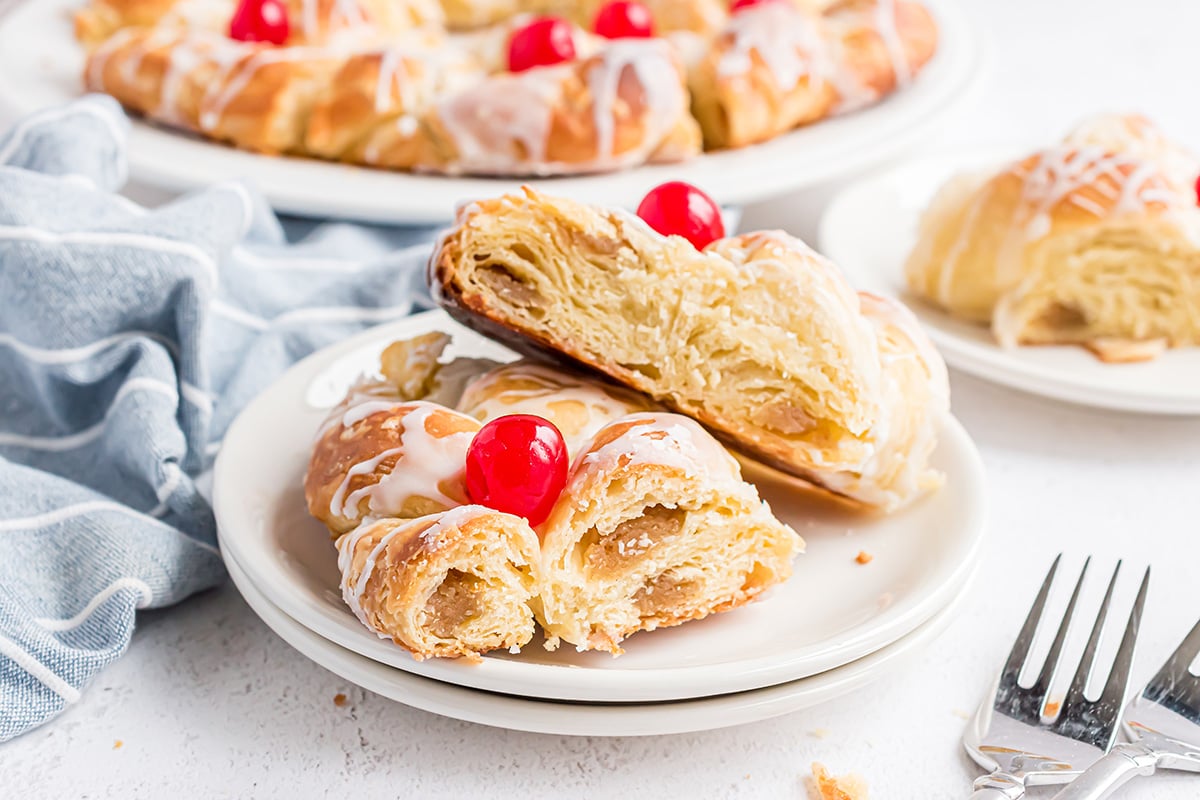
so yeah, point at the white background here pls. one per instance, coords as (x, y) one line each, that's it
(208, 703)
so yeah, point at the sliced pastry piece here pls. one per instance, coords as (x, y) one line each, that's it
(916, 401)
(578, 406)
(376, 457)
(625, 104)
(453, 583)
(1076, 244)
(415, 369)
(758, 336)
(655, 528)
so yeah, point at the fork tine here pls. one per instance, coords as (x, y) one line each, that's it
(1041, 687)
(1020, 649)
(1083, 673)
(1175, 673)
(1117, 686)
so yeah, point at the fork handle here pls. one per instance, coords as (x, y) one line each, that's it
(994, 794)
(999, 786)
(1123, 763)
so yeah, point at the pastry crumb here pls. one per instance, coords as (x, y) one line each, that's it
(824, 786)
(958, 712)
(1053, 707)
(339, 699)
(819, 733)
(864, 557)
(118, 744)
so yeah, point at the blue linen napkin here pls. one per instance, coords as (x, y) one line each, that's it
(129, 339)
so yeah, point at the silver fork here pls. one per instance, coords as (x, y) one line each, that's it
(1163, 723)
(1010, 738)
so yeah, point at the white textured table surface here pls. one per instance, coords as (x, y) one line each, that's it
(208, 703)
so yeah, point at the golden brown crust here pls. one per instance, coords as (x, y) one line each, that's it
(348, 460)
(456, 583)
(398, 92)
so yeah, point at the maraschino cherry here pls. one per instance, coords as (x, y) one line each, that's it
(517, 464)
(1197, 191)
(738, 5)
(260, 21)
(543, 42)
(680, 209)
(624, 19)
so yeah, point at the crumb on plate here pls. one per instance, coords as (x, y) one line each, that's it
(118, 744)
(1052, 708)
(828, 787)
(864, 557)
(339, 699)
(819, 733)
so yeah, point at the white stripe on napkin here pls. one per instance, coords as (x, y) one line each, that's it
(156, 244)
(310, 315)
(70, 441)
(55, 114)
(65, 513)
(114, 587)
(37, 669)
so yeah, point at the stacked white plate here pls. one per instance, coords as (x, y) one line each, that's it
(835, 625)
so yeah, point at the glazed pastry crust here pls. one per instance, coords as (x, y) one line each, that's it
(776, 66)
(1076, 244)
(379, 456)
(391, 84)
(758, 337)
(655, 528)
(457, 583)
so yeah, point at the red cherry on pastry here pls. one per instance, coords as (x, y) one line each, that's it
(624, 19)
(260, 21)
(517, 464)
(680, 209)
(543, 42)
(738, 5)
(1198, 191)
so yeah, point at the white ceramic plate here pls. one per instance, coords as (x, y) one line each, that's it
(831, 612)
(888, 206)
(590, 719)
(40, 65)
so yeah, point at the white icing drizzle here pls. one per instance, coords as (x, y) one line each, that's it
(354, 587)
(486, 398)
(424, 463)
(885, 23)
(659, 438)
(104, 53)
(502, 124)
(662, 103)
(787, 40)
(1052, 177)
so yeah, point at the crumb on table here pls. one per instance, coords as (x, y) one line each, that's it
(864, 557)
(339, 699)
(828, 787)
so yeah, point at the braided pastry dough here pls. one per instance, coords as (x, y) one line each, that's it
(1095, 241)
(664, 528)
(397, 84)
